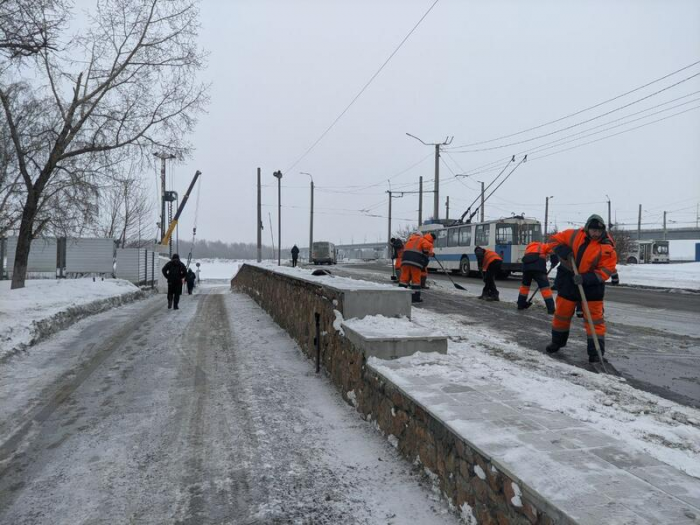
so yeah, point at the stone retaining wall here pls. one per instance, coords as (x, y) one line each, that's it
(465, 477)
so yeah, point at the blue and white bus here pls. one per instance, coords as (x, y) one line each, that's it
(454, 244)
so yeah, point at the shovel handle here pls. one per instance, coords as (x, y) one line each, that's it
(587, 313)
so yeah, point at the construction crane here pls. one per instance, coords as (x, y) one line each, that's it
(166, 238)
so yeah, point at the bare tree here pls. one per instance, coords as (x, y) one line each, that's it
(125, 210)
(623, 242)
(30, 26)
(125, 87)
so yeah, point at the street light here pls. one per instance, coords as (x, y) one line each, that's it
(546, 215)
(278, 176)
(311, 219)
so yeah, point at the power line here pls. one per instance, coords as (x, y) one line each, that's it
(586, 121)
(580, 111)
(363, 88)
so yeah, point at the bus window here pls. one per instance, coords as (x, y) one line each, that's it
(506, 233)
(453, 237)
(465, 235)
(660, 249)
(530, 233)
(441, 240)
(482, 234)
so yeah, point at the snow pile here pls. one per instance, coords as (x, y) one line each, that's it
(481, 357)
(379, 326)
(43, 307)
(344, 283)
(679, 275)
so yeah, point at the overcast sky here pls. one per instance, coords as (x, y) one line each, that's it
(282, 72)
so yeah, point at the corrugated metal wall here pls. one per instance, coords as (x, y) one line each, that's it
(136, 265)
(90, 256)
(42, 256)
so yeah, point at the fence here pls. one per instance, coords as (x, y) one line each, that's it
(79, 257)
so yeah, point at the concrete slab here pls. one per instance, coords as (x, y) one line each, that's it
(394, 346)
(389, 303)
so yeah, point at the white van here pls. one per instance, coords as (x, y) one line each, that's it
(324, 253)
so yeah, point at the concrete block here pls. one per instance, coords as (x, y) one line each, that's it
(394, 346)
(390, 302)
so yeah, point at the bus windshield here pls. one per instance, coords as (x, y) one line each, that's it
(530, 233)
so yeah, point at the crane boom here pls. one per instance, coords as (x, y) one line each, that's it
(173, 224)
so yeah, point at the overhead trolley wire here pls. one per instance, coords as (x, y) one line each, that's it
(579, 111)
(491, 148)
(363, 88)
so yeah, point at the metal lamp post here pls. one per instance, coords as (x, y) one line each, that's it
(546, 215)
(278, 176)
(311, 219)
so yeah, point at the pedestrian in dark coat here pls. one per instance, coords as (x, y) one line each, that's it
(191, 278)
(174, 271)
(295, 255)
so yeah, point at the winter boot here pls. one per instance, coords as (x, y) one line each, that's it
(552, 348)
(423, 282)
(415, 297)
(170, 303)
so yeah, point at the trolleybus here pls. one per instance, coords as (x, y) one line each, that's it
(454, 244)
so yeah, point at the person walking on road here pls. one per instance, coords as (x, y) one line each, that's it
(593, 252)
(489, 264)
(174, 271)
(535, 268)
(295, 255)
(190, 278)
(415, 257)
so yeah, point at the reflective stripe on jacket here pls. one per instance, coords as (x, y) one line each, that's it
(416, 251)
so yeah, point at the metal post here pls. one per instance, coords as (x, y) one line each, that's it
(436, 197)
(420, 201)
(482, 202)
(278, 176)
(546, 217)
(664, 226)
(260, 225)
(609, 215)
(447, 208)
(311, 222)
(163, 157)
(639, 224)
(388, 233)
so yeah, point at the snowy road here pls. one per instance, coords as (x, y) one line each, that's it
(653, 336)
(205, 415)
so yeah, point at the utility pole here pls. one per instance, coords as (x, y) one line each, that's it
(639, 224)
(482, 201)
(546, 216)
(609, 215)
(420, 201)
(388, 233)
(163, 157)
(664, 226)
(278, 176)
(436, 195)
(260, 224)
(311, 220)
(447, 208)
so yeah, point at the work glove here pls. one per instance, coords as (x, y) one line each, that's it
(615, 279)
(578, 279)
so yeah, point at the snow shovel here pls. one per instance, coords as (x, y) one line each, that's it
(528, 304)
(448, 276)
(587, 313)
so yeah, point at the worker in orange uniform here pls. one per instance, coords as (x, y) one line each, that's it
(430, 237)
(489, 264)
(596, 260)
(414, 258)
(535, 267)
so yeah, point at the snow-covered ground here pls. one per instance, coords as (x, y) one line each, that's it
(665, 430)
(217, 268)
(675, 275)
(25, 311)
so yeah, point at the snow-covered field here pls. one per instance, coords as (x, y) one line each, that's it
(675, 275)
(27, 314)
(217, 268)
